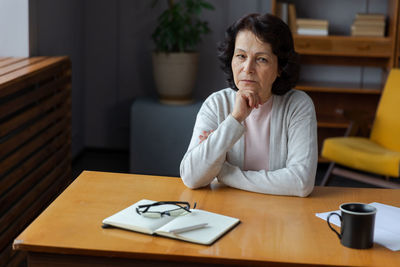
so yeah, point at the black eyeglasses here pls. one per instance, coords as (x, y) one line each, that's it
(165, 208)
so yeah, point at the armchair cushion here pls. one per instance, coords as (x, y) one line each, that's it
(362, 154)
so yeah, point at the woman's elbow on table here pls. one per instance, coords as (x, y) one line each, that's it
(189, 178)
(191, 183)
(195, 179)
(305, 189)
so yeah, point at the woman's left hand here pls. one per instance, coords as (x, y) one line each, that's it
(205, 135)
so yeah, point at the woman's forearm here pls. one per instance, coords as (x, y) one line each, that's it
(291, 181)
(203, 160)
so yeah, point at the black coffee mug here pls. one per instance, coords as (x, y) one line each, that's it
(357, 225)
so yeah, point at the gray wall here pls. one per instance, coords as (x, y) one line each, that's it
(14, 29)
(57, 28)
(110, 48)
(118, 61)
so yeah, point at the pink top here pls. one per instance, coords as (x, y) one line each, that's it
(256, 152)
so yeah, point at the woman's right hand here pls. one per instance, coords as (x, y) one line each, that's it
(246, 100)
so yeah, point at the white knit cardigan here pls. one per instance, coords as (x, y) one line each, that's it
(293, 152)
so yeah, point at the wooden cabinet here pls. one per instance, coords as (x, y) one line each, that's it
(333, 100)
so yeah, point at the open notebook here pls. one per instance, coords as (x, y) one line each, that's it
(217, 224)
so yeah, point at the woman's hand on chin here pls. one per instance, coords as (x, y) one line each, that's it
(246, 100)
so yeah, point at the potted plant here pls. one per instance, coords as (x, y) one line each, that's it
(175, 60)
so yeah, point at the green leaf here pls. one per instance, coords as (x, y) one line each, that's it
(207, 5)
(179, 27)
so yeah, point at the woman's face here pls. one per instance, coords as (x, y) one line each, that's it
(254, 66)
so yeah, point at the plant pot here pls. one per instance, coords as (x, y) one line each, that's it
(175, 76)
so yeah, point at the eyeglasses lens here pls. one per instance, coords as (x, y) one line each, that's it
(166, 209)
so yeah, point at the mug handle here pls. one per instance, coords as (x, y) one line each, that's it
(330, 226)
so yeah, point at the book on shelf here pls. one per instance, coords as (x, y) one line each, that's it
(380, 23)
(198, 226)
(317, 32)
(370, 16)
(365, 24)
(316, 27)
(312, 27)
(312, 22)
(367, 31)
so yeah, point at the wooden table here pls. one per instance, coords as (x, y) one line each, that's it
(274, 230)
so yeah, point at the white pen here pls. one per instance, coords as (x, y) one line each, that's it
(188, 228)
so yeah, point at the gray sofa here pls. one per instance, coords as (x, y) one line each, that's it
(159, 136)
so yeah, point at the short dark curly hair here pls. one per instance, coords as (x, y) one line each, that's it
(269, 29)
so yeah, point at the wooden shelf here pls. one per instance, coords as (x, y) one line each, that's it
(332, 121)
(336, 45)
(332, 124)
(333, 99)
(367, 39)
(339, 87)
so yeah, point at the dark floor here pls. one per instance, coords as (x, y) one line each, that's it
(118, 161)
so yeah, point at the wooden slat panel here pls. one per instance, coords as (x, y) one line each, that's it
(32, 162)
(31, 97)
(4, 58)
(18, 217)
(33, 145)
(11, 258)
(20, 65)
(34, 209)
(6, 255)
(18, 259)
(18, 139)
(35, 142)
(8, 199)
(13, 82)
(26, 116)
(9, 60)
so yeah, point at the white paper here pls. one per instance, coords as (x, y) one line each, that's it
(217, 225)
(387, 226)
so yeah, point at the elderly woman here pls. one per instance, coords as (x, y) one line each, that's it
(260, 134)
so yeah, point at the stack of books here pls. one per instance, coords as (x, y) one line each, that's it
(312, 27)
(369, 25)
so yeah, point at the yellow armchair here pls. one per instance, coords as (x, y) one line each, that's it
(380, 153)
